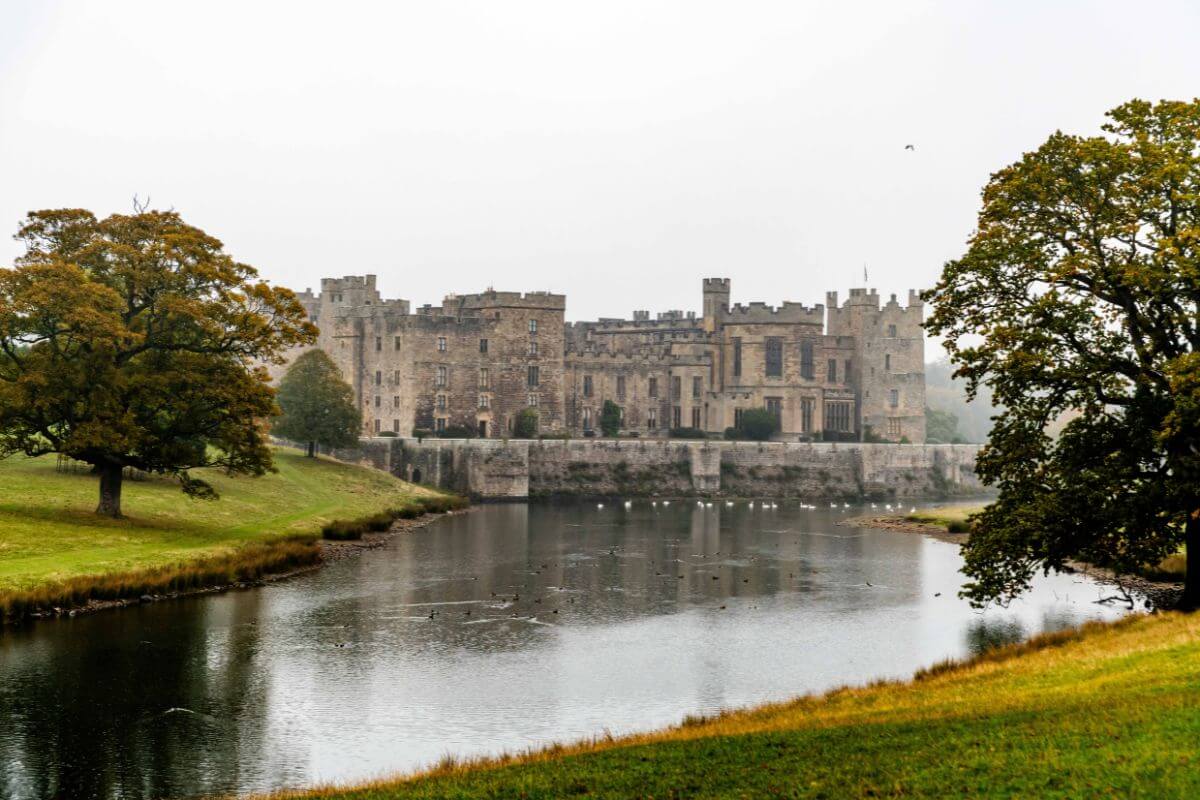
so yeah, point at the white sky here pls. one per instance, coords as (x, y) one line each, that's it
(617, 152)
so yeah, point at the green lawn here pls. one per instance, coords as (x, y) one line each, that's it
(48, 531)
(1111, 712)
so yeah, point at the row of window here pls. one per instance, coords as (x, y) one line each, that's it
(533, 376)
(442, 401)
(441, 342)
(651, 387)
(442, 377)
(395, 425)
(651, 418)
(773, 404)
(773, 360)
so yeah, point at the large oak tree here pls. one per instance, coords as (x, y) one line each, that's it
(1079, 297)
(136, 341)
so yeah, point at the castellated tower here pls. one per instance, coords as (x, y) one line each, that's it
(716, 301)
(889, 362)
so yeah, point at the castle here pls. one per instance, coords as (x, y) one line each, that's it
(841, 373)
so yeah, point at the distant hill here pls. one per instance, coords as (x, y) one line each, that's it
(945, 393)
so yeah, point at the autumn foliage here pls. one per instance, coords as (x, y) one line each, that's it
(136, 342)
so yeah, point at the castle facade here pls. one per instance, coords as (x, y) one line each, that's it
(829, 372)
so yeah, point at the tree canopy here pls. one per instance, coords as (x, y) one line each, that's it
(317, 404)
(526, 426)
(610, 418)
(757, 424)
(136, 341)
(1079, 297)
(941, 427)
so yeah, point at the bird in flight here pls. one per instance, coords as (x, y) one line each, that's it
(910, 147)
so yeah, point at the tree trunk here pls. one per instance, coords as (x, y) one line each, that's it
(1191, 580)
(312, 449)
(110, 491)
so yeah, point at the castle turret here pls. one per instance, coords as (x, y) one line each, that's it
(889, 361)
(716, 301)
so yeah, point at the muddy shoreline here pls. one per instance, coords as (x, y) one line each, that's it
(1157, 594)
(331, 551)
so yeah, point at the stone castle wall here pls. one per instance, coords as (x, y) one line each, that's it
(518, 469)
(853, 372)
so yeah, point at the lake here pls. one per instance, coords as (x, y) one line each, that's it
(505, 628)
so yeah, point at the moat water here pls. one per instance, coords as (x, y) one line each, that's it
(502, 629)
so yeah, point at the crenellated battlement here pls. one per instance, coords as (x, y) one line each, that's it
(665, 323)
(494, 299)
(361, 282)
(787, 314)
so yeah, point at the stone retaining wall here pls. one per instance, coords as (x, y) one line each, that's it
(518, 469)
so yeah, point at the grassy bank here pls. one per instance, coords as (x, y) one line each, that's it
(1108, 711)
(954, 519)
(55, 550)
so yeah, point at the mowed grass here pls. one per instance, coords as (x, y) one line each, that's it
(1109, 711)
(49, 532)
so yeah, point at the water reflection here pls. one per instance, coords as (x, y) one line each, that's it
(988, 634)
(508, 627)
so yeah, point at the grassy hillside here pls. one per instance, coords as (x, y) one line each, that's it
(1109, 711)
(49, 533)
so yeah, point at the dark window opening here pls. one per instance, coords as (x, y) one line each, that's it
(806, 360)
(774, 356)
(775, 409)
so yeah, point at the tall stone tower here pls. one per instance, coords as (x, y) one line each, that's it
(716, 301)
(889, 361)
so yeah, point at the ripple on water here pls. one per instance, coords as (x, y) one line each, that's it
(341, 674)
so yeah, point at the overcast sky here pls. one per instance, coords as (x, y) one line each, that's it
(617, 152)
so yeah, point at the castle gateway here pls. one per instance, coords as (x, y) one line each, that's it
(833, 373)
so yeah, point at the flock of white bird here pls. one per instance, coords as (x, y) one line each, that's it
(767, 505)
